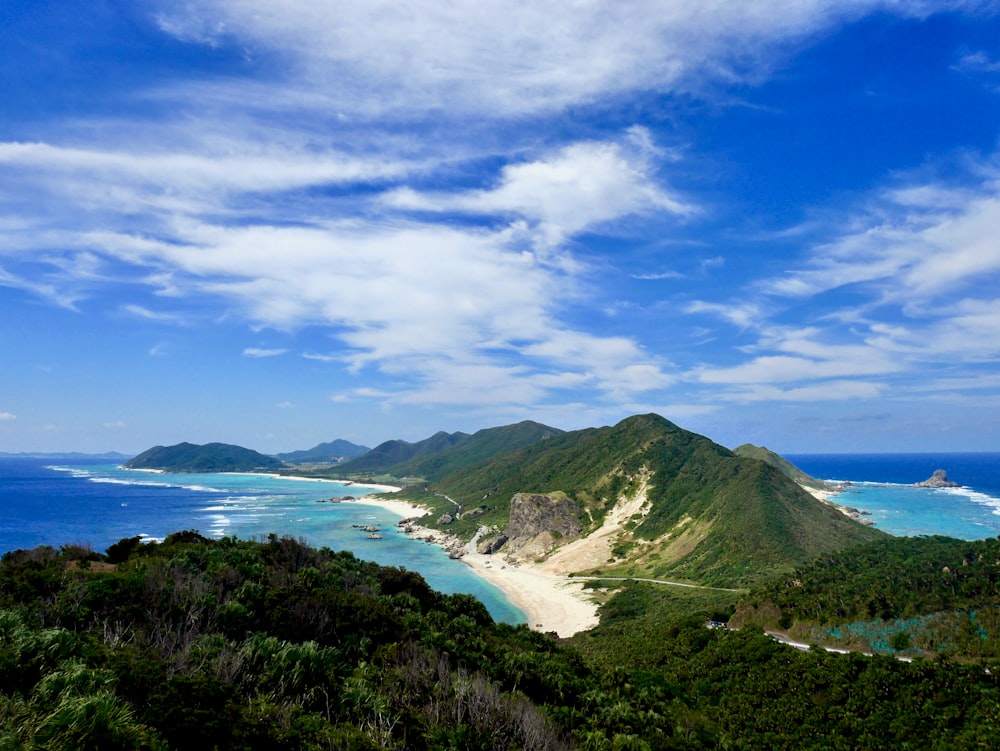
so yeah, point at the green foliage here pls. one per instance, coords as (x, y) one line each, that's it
(746, 520)
(228, 644)
(212, 457)
(918, 595)
(749, 451)
(445, 453)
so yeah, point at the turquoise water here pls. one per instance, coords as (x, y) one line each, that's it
(883, 485)
(46, 503)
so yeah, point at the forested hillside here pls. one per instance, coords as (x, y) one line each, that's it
(710, 516)
(911, 595)
(210, 457)
(196, 644)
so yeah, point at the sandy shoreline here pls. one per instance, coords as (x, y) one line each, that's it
(827, 497)
(549, 602)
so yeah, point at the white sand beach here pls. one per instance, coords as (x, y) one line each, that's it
(550, 602)
(403, 508)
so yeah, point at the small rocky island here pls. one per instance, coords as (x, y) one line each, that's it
(937, 480)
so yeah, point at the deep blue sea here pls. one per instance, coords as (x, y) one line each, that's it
(882, 484)
(60, 502)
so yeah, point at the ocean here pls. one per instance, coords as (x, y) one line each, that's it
(75, 502)
(883, 486)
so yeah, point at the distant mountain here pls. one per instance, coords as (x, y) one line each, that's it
(749, 451)
(333, 452)
(211, 457)
(443, 453)
(397, 452)
(675, 503)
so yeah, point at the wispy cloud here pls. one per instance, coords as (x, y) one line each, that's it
(582, 186)
(418, 64)
(977, 62)
(658, 276)
(7, 416)
(261, 352)
(140, 311)
(908, 289)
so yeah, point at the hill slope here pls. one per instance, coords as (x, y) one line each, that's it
(211, 457)
(749, 451)
(445, 453)
(669, 502)
(483, 445)
(391, 453)
(332, 452)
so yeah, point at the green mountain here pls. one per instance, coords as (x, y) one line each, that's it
(211, 457)
(332, 452)
(694, 508)
(749, 451)
(396, 452)
(445, 453)
(474, 449)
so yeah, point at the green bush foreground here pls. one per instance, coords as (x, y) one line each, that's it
(228, 644)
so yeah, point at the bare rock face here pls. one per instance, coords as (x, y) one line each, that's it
(539, 522)
(938, 480)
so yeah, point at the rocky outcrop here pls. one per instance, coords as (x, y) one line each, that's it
(539, 522)
(937, 480)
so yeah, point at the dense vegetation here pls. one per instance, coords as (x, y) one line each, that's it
(197, 644)
(445, 453)
(211, 457)
(749, 451)
(900, 594)
(331, 452)
(731, 521)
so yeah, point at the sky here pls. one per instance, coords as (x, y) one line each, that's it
(280, 222)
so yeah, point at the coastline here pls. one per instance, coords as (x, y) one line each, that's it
(827, 497)
(550, 603)
(274, 476)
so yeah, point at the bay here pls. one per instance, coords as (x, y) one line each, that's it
(76, 502)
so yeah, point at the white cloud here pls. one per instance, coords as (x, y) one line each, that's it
(828, 391)
(922, 241)
(743, 315)
(7, 416)
(582, 186)
(140, 311)
(115, 425)
(515, 57)
(904, 294)
(977, 62)
(260, 352)
(786, 369)
(237, 165)
(654, 277)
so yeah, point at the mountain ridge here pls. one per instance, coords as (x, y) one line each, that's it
(336, 451)
(709, 515)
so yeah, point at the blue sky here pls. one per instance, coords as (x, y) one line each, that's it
(279, 223)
